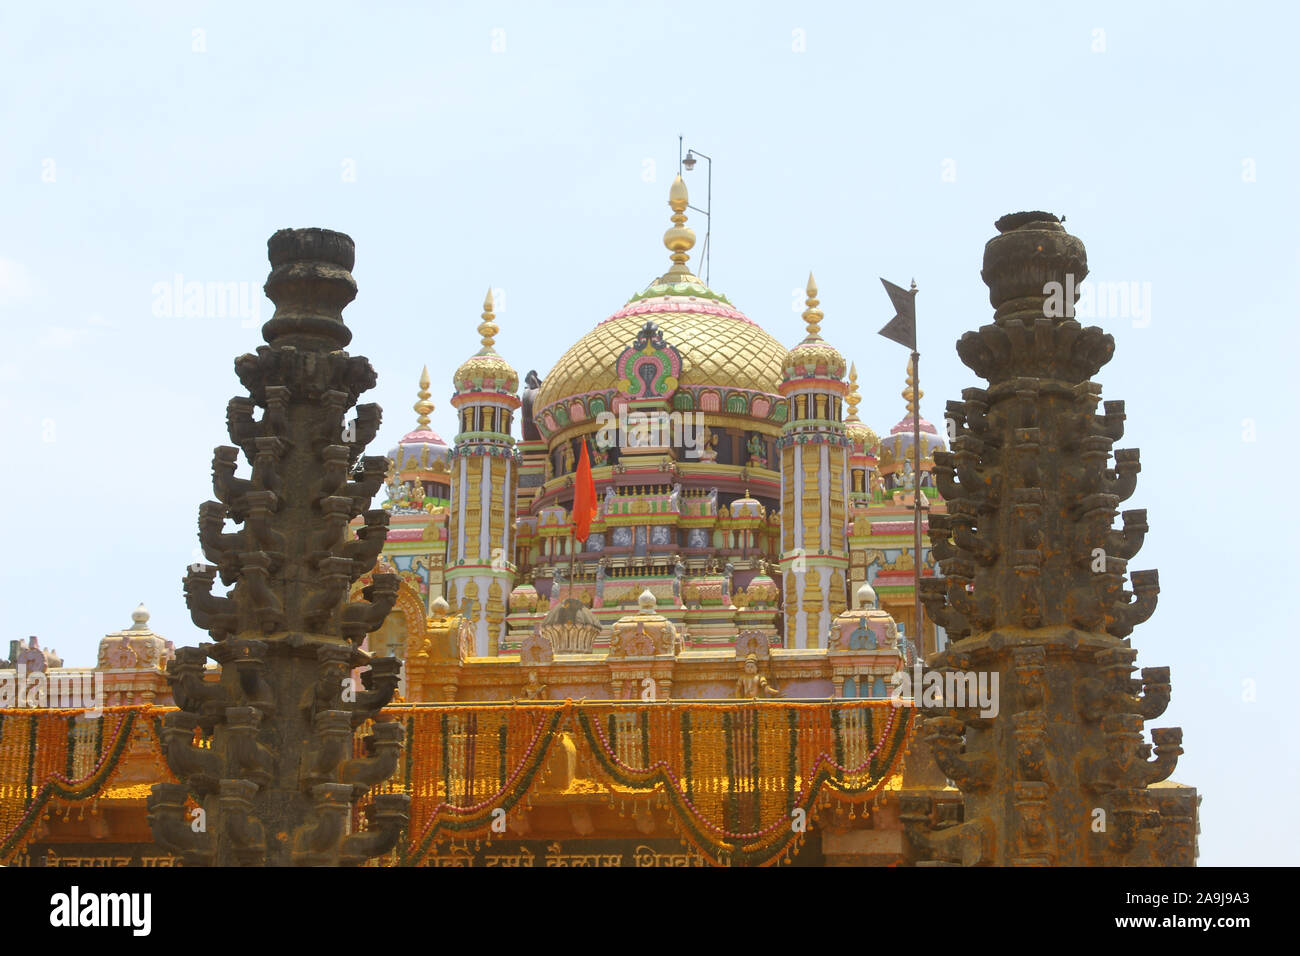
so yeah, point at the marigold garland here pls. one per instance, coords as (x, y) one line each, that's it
(731, 773)
(724, 796)
(50, 749)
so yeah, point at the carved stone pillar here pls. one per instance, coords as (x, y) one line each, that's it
(279, 781)
(1032, 594)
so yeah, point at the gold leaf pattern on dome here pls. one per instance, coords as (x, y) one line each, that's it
(715, 349)
(862, 436)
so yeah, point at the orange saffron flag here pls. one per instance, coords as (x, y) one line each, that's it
(584, 498)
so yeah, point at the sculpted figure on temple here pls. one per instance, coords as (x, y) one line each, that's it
(532, 385)
(31, 658)
(710, 450)
(534, 689)
(393, 486)
(751, 683)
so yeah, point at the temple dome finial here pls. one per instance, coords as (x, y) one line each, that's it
(680, 238)
(812, 315)
(423, 406)
(488, 327)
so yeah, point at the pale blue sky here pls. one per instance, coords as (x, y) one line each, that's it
(127, 156)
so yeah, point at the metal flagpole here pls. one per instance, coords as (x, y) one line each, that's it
(916, 497)
(902, 329)
(573, 553)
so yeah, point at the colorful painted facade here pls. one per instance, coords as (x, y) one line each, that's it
(737, 485)
(716, 676)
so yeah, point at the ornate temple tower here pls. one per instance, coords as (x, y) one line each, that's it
(418, 500)
(277, 780)
(484, 476)
(1033, 595)
(814, 480)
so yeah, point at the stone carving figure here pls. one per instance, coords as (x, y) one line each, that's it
(534, 689)
(752, 684)
(393, 485)
(118, 653)
(31, 658)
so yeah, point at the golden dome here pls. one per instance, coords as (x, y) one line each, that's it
(863, 437)
(718, 344)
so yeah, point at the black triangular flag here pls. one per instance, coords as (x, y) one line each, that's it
(902, 327)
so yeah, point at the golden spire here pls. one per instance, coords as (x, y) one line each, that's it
(813, 315)
(679, 238)
(854, 397)
(488, 327)
(423, 407)
(912, 395)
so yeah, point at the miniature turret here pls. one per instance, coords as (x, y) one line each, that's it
(813, 452)
(484, 475)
